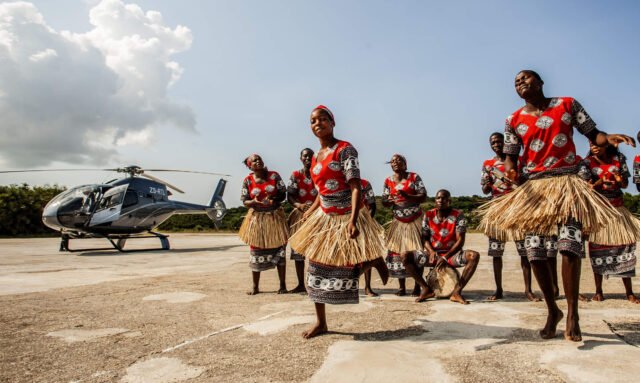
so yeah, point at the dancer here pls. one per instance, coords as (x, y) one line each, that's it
(264, 228)
(611, 175)
(369, 200)
(301, 193)
(443, 230)
(494, 181)
(552, 192)
(339, 239)
(403, 192)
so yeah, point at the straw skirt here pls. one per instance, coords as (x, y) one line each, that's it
(401, 237)
(265, 230)
(324, 238)
(266, 233)
(295, 221)
(540, 206)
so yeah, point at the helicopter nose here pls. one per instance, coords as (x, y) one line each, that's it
(50, 217)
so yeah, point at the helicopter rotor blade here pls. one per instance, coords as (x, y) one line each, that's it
(187, 171)
(56, 170)
(146, 175)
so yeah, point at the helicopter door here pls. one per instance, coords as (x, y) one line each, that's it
(110, 205)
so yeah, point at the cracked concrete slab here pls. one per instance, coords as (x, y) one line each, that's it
(161, 370)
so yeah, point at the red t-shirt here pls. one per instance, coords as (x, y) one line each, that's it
(607, 172)
(492, 171)
(301, 187)
(442, 233)
(331, 177)
(547, 141)
(404, 210)
(273, 187)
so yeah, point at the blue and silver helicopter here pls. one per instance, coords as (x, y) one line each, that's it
(123, 209)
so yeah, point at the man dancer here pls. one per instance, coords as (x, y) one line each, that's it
(494, 181)
(443, 233)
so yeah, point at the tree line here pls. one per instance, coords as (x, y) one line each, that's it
(21, 212)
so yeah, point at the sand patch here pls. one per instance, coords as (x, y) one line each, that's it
(275, 325)
(161, 370)
(380, 362)
(82, 335)
(306, 307)
(176, 297)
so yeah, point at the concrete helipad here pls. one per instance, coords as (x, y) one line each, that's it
(183, 316)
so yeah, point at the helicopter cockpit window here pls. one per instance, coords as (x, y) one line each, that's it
(110, 201)
(130, 198)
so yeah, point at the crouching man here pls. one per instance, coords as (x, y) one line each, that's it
(443, 235)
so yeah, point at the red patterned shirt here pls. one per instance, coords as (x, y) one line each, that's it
(368, 196)
(301, 187)
(273, 187)
(636, 170)
(492, 173)
(442, 233)
(404, 210)
(547, 141)
(607, 172)
(331, 177)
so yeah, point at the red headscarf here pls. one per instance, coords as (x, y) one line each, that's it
(322, 107)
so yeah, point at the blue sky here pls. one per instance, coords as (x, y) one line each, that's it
(431, 80)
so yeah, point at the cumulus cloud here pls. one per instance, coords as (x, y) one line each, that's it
(76, 97)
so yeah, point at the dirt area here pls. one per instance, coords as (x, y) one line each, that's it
(183, 315)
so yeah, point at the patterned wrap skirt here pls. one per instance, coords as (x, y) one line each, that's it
(266, 259)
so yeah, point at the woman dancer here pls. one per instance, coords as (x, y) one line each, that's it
(552, 194)
(611, 175)
(301, 192)
(339, 239)
(264, 228)
(403, 192)
(369, 199)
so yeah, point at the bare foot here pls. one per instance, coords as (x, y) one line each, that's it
(598, 297)
(282, 290)
(401, 292)
(370, 292)
(456, 297)
(298, 289)
(572, 331)
(549, 330)
(317, 329)
(497, 295)
(633, 299)
(424, 295)
(532, 297)
(253, 291)
(583, 298)
(416, 291)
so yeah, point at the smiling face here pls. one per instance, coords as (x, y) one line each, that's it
(443, 200)
(398, 164)
(305, 158)
(321, 124)
(527, 85)
(497, 143)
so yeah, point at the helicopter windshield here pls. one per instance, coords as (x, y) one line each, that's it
(77, 200)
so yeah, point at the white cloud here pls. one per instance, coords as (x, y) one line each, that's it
(76, 97)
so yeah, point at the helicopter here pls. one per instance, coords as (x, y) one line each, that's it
(123, 209)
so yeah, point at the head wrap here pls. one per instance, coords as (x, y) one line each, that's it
(324, 108)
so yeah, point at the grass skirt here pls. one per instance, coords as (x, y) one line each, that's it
(266, 230)
(324, 238)
(403, 236)
(539, 206)
(295, 220)
(624, 230)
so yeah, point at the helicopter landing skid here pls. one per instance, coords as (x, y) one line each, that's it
(118, 242)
